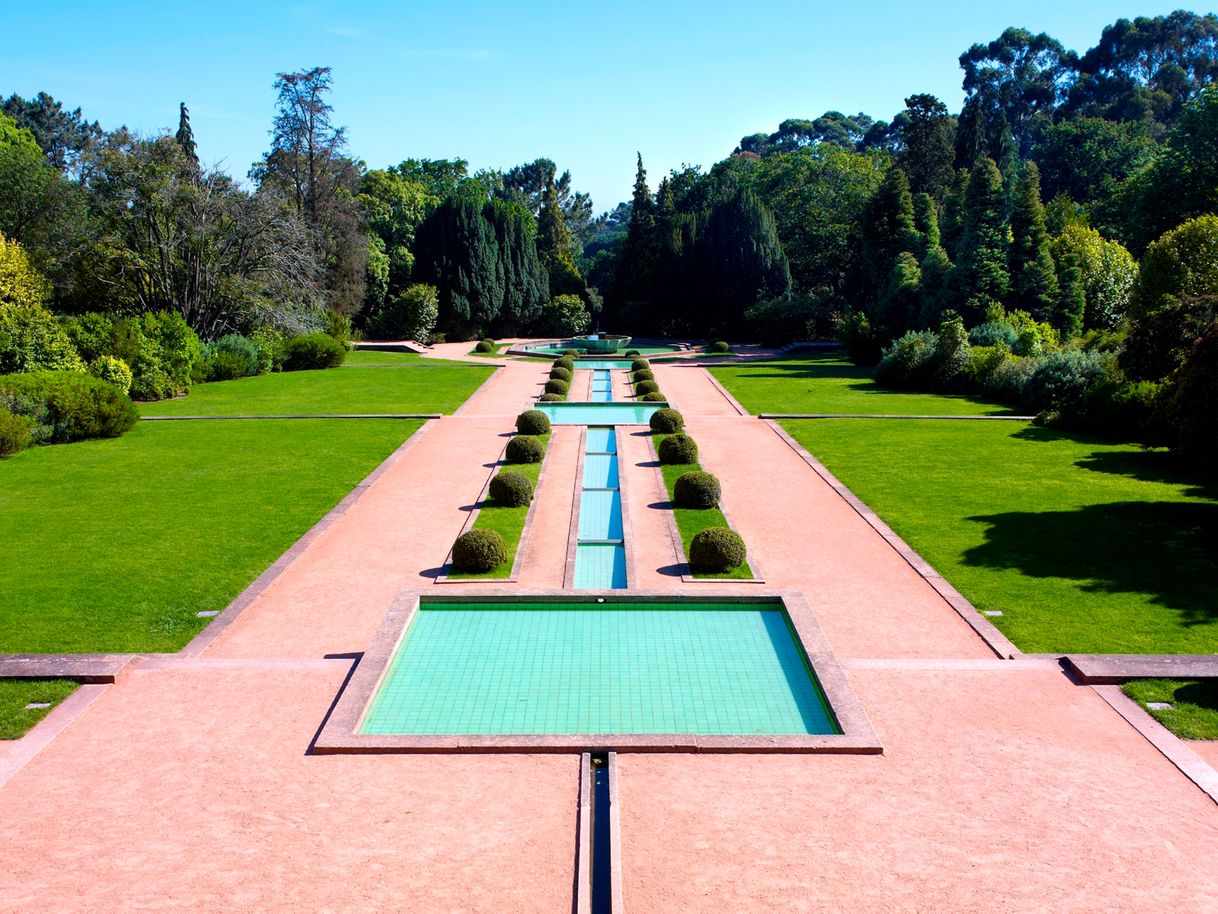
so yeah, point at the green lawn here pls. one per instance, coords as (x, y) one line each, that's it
(691, 520)
(15, 694)
(828, 383)
(1195, 715)
(368, 382)
(115, 545)
(508, 522)
(1085, 546)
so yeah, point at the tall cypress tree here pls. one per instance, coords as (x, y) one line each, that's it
(186, 137)
(926, 222)
(635, 276)
(952, 226)
(525, 284)
(887, 230)
(983, 276)
(457, 251)
(1034, 286)
(971, 142)
(554, 245)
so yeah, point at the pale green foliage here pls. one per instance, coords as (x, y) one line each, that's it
(565, 315)
(1108, 273)
(31, 339)
(20, 283)
(410, 315)
(112, 369)
(1181, 264)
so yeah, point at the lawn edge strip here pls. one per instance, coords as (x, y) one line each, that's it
(525, 530)
(44, 732)
(204, 639)
(995, 640)
(480, 389)
(687, 576)
(1000, 418)
(1174, 749)
(718, 385)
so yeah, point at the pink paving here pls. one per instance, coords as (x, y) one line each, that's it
(188, 785)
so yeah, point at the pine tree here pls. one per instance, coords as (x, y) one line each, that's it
(970, 134)
(929, 154)
(457, 251)
(952, 226)
(554, 245)
(635, 276)
(936, 287)
(525, 281)
(1034, 286)
(1072, 295)
(887, 230)
(984, 275)
(926, 223)
(186, 137)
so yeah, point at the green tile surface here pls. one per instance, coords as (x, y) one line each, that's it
(529, 668)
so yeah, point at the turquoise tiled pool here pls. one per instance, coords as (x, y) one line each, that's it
(599, 413)
(600, 515)
(604, 364)
(600, 471)
(600, 440)
(582, 667)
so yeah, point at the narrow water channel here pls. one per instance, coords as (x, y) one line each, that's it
(600, 550)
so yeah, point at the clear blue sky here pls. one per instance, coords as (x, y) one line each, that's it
(502, 83)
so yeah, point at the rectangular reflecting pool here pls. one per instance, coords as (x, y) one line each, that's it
(584, 667)
(559, 672)
(599, 413)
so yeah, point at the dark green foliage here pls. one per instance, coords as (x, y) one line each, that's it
(666, 421)
(678, 449)
(643, 374)
(533, 422)
(719, 346)
(554, 386)
(1193, 407)
(640, 365)
(1087, 158)
(551, 398)
(634, 277)
(232, 356)
(983, 274)
(478, 551)
(862, 341)
(78, 406)
(160, 348)
(645, 387)
(887, 229)
(560, 374)
(525, 449)
(654, 397)
(929, 153)
(993, 333)
(570, 354)
(16, 433)
(1034, 286)
(927, 361)
(485, 345)
(511, 489)
(715, 550)
(696, 489)
(311, 351)
(1062, 380)
(631, 353)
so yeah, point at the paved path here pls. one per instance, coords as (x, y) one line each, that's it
(187, 785)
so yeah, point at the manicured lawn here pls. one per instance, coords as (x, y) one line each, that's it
(115, 545)
(1084, 545)
(508, 522)
(1195, 715)
(691, 520)
(15, 694)
(368, 382)
(828, 383)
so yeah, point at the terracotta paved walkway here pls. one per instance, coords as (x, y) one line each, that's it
(187, 785)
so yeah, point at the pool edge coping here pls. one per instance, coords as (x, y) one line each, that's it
(339, 731)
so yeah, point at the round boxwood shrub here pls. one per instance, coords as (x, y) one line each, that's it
(78, 406)
(631, 353)
(551, 398)
(696, 489)
(640, 365)
(554, 386)
(643, 374)
(16, 433)
(654, 397)
(485, 346)
(313, 350)
(667, 421)
(720, 346)
(477, 551)
(113, 371)
(715, 550)
(511, 489)
(525, 449)
(570, 353)
(645, 387)
(678, 449)
(533, 422)
(560, 373)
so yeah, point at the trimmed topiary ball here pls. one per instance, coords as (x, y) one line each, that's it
(715, 550)
(645, 387)
(485, 346)
(667, 421)
(525, 449)
(640, 365)
(533, 422)
(696, 489)
(570, 353)
(478, 551)
(511, 489)
(643, 374)
(551, 398)
(554, 386)
(631, 353)
(560, 373)
(654, 397)
(678, 449)
(720, 346)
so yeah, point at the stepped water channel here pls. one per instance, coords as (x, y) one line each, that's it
(600, 550)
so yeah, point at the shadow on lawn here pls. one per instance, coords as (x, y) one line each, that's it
(1167, 550)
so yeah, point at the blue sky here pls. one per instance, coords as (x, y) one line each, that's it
(500, 83)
